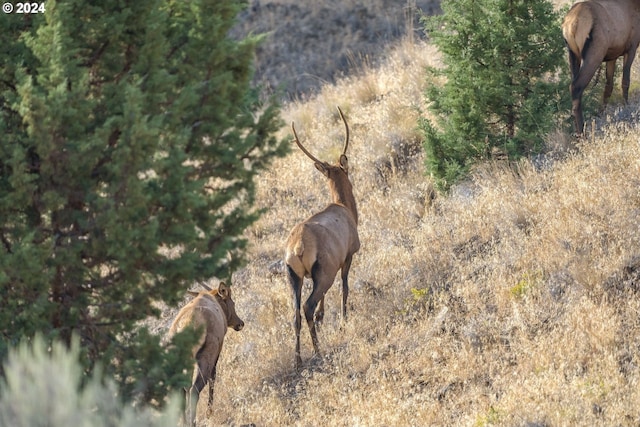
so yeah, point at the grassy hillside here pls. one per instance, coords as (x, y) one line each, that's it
(513, 301)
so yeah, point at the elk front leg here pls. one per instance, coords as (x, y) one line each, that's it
(626, 72)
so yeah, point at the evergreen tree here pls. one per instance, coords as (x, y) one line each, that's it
(130, 140)
(504, 80)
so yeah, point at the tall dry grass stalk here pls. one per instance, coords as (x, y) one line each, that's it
(513, 301)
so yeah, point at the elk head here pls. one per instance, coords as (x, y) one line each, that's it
(325, 167)
(338, 175)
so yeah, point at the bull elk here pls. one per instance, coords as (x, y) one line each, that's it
(211, 312)
(598, 31)
(323, 244)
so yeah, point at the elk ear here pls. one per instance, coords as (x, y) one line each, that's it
(322, 168)
(193, 293)
(344, 163)
(223, 290)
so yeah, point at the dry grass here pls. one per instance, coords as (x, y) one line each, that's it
(508, 306)
(511, 302)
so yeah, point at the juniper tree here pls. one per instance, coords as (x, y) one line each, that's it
(130, 138)
(504, 82)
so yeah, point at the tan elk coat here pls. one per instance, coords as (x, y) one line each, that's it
(211, 312)
(323, 244)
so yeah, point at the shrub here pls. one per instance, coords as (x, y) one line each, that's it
(46, 387)
(504, 74)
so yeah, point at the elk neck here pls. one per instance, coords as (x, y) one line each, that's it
(342, 194)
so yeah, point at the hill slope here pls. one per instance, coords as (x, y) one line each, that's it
(308, 44)
(512, 302)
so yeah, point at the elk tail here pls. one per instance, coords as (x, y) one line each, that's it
(577, 29)
(298, 249)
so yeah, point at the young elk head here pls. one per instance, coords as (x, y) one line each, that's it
(323, 244)
(223, 297)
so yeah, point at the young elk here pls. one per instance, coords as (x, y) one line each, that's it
(212, 312)
(323, 244)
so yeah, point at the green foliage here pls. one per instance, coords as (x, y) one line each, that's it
(504, 80)
(131, 137)
(46, 387)
(527, 283)
(420, 294)
(492, 417)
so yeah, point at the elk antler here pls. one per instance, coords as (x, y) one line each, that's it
(304, 150)
(346, 127)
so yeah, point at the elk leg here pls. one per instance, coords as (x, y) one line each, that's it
(626, 71)
(296, 287)
(578, 84)
(345, 286)
(212, 378)
(320, 312)
(608, 88)
(185, 408)
(194, 394)
(320, 285)
(574, 64)
(309, 308)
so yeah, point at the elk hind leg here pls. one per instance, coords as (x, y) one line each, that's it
(321, 282)
(296, 287)
(608, 88)
(578, 85)
(309, 308)
(212, 378)
(319, 316)
(193, 395)
(345, 286)
(574, 64)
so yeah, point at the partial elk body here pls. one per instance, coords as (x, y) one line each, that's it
(211, 312)
(323, 244)
(598, 31)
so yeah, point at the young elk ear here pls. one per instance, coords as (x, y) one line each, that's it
(193, 293)
(223, 290)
